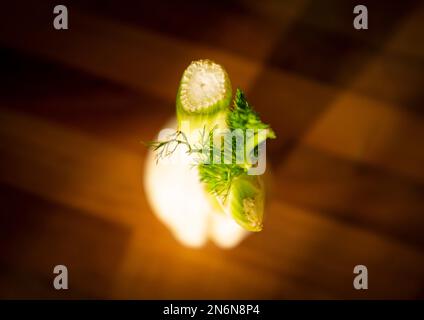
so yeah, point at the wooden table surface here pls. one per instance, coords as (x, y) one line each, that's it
(347, 169)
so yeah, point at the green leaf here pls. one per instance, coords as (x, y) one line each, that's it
(218, 177)
(242, 116)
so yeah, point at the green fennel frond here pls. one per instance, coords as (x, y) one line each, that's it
(218, 177)
(242, 116)
(165, 148)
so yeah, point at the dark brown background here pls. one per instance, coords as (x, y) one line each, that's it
(347, 167)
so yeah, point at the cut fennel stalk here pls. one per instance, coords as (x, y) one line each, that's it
(204, 96)
(203, 105)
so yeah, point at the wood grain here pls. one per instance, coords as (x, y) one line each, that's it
(346, 172)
